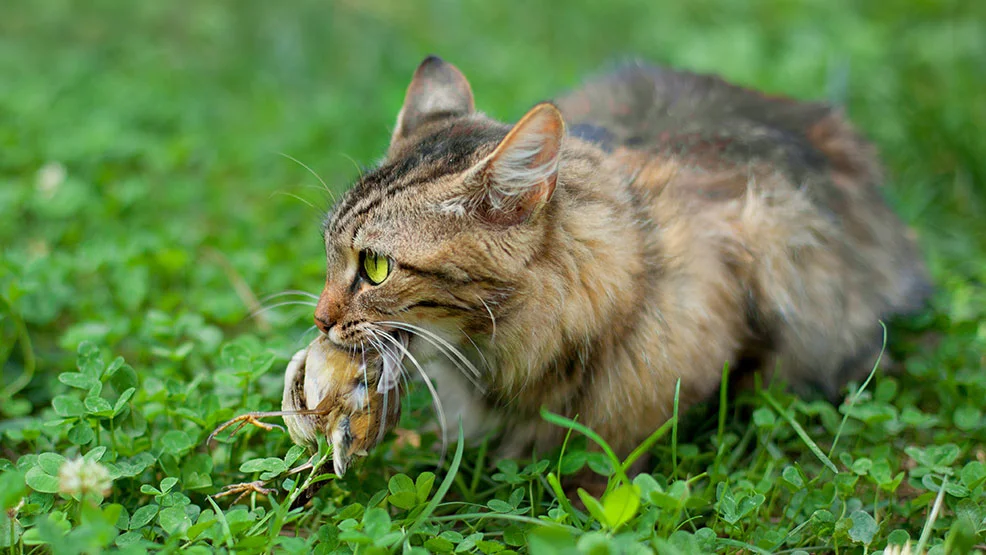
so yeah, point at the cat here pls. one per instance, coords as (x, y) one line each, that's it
(651, 226)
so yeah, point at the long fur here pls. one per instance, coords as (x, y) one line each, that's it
(694, 224)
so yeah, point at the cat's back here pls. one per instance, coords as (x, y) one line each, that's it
(789, 182)
(709, 126)
(639, 101)
(701, 119)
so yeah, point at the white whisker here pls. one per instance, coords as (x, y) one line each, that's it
(290, 292)
(386, 415)
(492, 319)
(373, 336)
(391, 361)
(366, 380)
(431, 388)
(303, 334)
(359, 169)
(452, 354)
(276, 305)
(478, 350)
(450, 349)
(311, 171)
(294, 196)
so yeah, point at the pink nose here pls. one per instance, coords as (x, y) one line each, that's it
(322, 324)
(328, 310)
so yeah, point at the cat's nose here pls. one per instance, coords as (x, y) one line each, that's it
(323, 324)
(327, 311)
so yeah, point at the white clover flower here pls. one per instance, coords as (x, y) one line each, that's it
(79, 477)
(49, 178)
(899, 549)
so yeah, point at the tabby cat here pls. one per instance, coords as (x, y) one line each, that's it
(649, 227)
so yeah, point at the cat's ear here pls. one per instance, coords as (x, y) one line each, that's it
(519, 177)
(438, 89)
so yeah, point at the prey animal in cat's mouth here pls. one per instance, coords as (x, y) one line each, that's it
(350, 397)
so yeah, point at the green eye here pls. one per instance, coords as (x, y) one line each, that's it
(376, 267)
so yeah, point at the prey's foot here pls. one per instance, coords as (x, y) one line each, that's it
(243, 489)
(258, 486)
(252, 418)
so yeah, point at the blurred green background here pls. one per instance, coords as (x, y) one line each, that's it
(150, 201)
(145, 203)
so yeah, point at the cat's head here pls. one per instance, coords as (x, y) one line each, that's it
(449, 225)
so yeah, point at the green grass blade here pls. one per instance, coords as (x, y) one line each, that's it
(453, 470)
(723, 404)
(560, 420)
(810, 443)
(866, 383)
(647, 444)
(674, 429)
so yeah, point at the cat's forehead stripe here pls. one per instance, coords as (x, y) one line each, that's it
(442, 153)
(449, 150)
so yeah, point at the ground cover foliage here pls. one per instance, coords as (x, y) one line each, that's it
(147, 212)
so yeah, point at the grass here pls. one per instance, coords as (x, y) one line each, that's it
(145, 213)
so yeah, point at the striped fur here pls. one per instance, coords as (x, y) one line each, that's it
(688, 224)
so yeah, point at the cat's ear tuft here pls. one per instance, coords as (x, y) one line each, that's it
(438, 89)
(519, 177)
